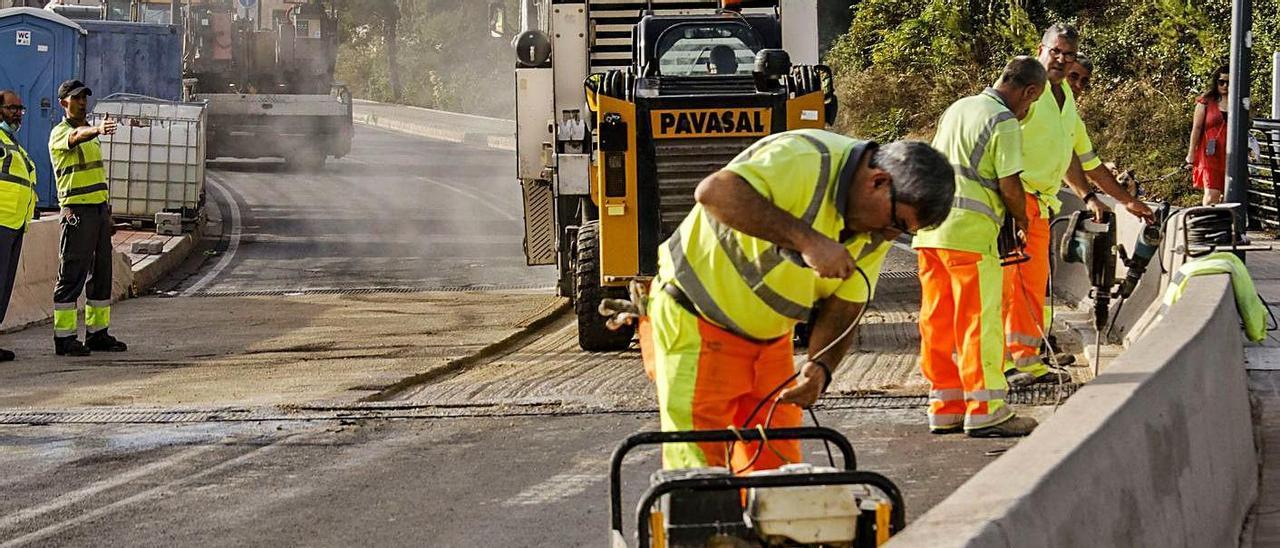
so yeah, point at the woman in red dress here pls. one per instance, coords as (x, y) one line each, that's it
(1207, 154)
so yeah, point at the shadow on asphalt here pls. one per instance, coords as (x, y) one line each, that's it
(247, 166)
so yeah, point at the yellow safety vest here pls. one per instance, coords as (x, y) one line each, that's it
(1252, 311)
(77, 170)
(17, 184)
(747, 285)
(1049, 136)
(983, 140)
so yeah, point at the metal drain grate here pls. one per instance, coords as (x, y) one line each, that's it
(370, 290)
(1048, 395)
(899, 274)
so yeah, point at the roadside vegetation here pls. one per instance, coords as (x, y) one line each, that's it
(902, 62)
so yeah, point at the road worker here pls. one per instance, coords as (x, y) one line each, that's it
(85, 248)
(1055, 144)
(17, 198)
(961, 329)
(798, 218)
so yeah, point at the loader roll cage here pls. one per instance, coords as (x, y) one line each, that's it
(664, 41)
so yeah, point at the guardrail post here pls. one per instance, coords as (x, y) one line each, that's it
(1238, 121)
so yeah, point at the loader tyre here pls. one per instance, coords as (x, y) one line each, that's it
(593, 334)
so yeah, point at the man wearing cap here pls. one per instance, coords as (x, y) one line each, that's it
(17, 197)
(85, 247)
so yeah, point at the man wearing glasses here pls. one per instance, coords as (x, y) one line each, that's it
(1055, 144)
(961, 331)
(800, 220)
(17, 198)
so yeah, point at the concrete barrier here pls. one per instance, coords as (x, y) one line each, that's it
(1157, 451)
(32, 300)
(482, 131)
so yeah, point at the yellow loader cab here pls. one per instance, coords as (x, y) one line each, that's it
(697, 90)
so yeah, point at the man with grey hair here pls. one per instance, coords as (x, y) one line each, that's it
(961, 328)
(799, 221)
(1055, 145)
(17, 197)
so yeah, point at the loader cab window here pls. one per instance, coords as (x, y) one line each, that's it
(707, 49)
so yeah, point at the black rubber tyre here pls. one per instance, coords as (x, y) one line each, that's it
(305, 161)
(593, 335)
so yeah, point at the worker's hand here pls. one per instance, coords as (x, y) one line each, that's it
(1140, 210)
(1098, 208)
(1021, 223)
(828, 257)
(808, 386)
(107, 126)
(619, 312)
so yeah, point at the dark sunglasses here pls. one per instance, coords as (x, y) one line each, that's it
(1224, 82)
(897, 222)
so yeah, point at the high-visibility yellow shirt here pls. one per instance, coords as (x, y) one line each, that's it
(77, 170)
(983, 140)
(1049, 136)
(745, 284)
(17, 184)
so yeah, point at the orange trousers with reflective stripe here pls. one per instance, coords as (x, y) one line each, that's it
(1024, 297)
(961, 338)
(710, 379)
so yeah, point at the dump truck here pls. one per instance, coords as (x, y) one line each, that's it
(623, 107)
(268, 81)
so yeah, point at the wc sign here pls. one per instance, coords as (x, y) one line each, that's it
(23, 38)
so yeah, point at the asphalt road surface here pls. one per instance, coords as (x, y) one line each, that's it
(510, 451)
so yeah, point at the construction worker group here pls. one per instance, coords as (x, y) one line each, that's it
(85, 219)
(797, 226)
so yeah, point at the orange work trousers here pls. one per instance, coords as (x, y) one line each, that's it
(961, 339)
(710, 379)
(1024, 297)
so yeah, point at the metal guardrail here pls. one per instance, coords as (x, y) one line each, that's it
(1264, 176)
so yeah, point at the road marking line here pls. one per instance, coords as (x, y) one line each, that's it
(79, 495)
(478, 199)
(232, 246)
(155, 492)
(567, 484)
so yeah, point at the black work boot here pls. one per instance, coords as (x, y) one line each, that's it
(1015, 427)
(102, 341)
(69, 346)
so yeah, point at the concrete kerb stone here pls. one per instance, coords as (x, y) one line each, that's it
(1158, 450)
(531, 326)
(148, 272)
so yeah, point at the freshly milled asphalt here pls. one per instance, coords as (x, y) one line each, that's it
(527, 469)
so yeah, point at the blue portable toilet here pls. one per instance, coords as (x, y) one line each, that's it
(39, 49)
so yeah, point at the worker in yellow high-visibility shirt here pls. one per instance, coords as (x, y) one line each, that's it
(961, 331)
(1055, 145)
(800, 220)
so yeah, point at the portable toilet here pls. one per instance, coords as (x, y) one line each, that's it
(39, 49)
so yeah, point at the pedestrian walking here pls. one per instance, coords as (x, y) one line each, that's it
(85, 248)
(961, 328)
(800, 220)
(1207, 152)
(17, 198)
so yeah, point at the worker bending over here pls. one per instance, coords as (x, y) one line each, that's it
(798, 218)
(1055, 144)
(961, 328)
(85, 247)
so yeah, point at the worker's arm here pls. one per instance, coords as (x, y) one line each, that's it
(1106, 181)
(1197, 129)
(88, 133)
(834, 317)
(728, 198)
(1015, 199)
(1079, 184)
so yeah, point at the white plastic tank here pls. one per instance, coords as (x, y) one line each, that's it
(155, 161)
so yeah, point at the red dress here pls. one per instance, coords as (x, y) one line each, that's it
(1210, 170)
